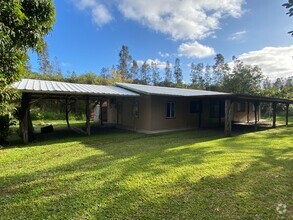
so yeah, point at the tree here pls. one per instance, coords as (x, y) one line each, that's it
(193, 75)
(178, 72)
(289, 6)
(244, 79)
(207, 76)
(45, 66)
(23, 24)
(155, 74)
(168, 75)
(220, 68)
(124, 62)
(134, 70)
(145, 70)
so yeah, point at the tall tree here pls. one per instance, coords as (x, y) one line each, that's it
(207, 78)
(244, 79)
(145, 73)
(178, 72)
(193, 75)
(124, 62)
(220, 69)
(23, 24)
(199, 71)
(168, 74)
(56, 66)
(289, 6)
(45, 65)
(134, 70)
(155, 74)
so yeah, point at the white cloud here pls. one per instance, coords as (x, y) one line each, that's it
(182, 20)
(195, 50)
(100, 14)
(187, 19)
(161, 54)
(237, 35)
(160, 64)
(274, 61)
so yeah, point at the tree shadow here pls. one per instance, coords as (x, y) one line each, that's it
(159, 177)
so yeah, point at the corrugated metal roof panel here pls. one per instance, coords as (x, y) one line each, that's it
(53, 87)
(158, 90)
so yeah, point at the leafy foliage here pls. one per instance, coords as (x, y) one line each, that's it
(244, 79)
(289, 6)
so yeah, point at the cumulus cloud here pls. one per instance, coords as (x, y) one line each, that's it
(195, 50)
(160, 64)
(182, 20)
(274, 61)
(237, 35)
(161, 54)
(187, 20)
(99, 12)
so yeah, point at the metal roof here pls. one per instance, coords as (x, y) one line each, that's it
(54, 87)
(158, 90)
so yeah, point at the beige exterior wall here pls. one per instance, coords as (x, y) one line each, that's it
(183, 117)
(242, 116)
(152, 114)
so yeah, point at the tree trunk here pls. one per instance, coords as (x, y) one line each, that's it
(228, 125)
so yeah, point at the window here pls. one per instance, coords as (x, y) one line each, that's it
(135, 109)
(194, 106)
(170, 110)
(241, 107)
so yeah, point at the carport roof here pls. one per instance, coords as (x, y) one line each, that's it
(63, 88)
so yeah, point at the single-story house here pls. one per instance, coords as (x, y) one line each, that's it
(149, 109)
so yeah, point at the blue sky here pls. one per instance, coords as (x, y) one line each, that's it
(88, 34)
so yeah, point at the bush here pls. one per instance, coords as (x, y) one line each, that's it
(5, 123)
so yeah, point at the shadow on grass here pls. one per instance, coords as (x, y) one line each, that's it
(171, 176)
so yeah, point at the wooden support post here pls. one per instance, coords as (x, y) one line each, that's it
(256, 106)
(200, 113)
(25, 119)
(248, 112)
(287, 114)
(228, 126)
(274, 114)
(67, 112)
(220, 113)
(88, 115)
(101, 113)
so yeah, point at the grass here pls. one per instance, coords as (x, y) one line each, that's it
(124, 175)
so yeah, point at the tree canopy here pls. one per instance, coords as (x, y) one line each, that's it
(23, 24)
(289, 6)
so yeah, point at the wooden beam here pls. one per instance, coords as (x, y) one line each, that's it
(88, 115)
(287, 114)
(228, 118)
(67, 110)
(25, 119)
(274, 114)
(256, 106)
(248, 112)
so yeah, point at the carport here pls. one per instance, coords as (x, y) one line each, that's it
(36, 90)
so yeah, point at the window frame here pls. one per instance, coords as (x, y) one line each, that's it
(135, 109)
(169, 114)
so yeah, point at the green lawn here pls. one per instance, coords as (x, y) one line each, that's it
(124, 175)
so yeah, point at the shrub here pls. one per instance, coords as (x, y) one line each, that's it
(5, 122)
